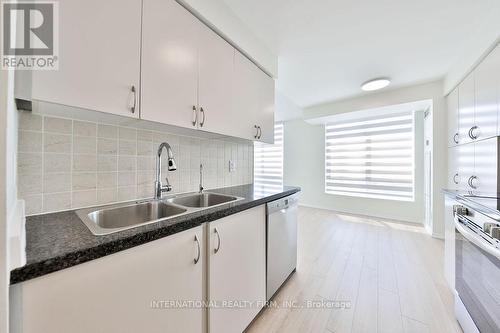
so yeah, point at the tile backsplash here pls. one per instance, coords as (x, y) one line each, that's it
(67, 163)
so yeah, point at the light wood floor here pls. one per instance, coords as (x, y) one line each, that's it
(391, 273)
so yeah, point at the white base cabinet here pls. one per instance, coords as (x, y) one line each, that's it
(236, 270)
(117, 293)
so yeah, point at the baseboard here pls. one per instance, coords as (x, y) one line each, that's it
(362, 215)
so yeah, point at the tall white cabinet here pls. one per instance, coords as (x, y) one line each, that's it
(236, 269)
(122, 292)
(473, 113)
(99, 60)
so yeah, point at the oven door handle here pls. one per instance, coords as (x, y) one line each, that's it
(475, 239)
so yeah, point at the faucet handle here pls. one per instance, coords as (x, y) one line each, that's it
(167, 187)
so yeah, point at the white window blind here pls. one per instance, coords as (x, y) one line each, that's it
(268, 162)
(372, 156)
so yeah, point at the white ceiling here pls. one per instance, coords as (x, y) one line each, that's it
(327, 48)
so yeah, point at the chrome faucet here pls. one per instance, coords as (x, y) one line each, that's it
(201, 178)
(159, 187)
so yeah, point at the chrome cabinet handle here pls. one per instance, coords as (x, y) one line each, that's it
(472, 135)
(471, 182)
(260, 132)
(455, 138)
(202, 122)
(455, 179)
(256, 136)
(195, 116)
(199, 250)
(133, 90)
(218, 240)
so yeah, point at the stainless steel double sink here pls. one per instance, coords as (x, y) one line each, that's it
(113, 218)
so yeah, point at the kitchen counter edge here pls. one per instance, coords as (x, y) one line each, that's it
(142, 235)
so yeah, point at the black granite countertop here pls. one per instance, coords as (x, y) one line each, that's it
(485, 203)
(60, 240)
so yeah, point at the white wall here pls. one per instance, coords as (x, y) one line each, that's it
(285, 109)
(304, 156)
(221, 18)
(305, 167)
(475, 48)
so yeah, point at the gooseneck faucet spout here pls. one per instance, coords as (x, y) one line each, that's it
(159, 187)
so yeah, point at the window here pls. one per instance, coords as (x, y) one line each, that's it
(371, 156)
(268, 162)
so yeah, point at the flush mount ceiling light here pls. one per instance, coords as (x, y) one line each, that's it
(375, 84)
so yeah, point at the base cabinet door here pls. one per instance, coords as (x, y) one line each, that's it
(236, 270)
(130, 291)
(99, 58)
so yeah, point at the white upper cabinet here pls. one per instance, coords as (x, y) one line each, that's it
(157, 62)
(487, 77)
(452, 106)
(216, 72)
(246, 97)
(453, 172)
(466, 107)
(169, 64)
(99, 60)
(265, 113)
(253, 100)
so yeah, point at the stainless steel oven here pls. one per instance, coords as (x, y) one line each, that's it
(477, 271)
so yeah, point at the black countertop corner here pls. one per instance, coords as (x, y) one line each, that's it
(60, 240)
(485, 203)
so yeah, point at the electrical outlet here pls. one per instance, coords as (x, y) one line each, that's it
(232, 166)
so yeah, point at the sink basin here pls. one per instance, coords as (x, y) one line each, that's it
(112, 219)
(202, 200)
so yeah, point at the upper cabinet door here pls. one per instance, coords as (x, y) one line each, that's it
(216, 70)
(246, 97)
(265, 114)
(99, 60)
(169, 64)
(453, 174)
(487, 94)
(452, 105)
(466, 107)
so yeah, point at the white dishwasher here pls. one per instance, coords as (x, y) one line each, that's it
(281, 233)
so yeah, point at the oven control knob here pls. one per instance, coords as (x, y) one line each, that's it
(495, 233)
(460, 210)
